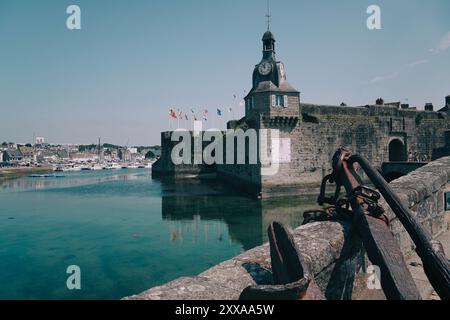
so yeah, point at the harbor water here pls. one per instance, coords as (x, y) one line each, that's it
(125, 231)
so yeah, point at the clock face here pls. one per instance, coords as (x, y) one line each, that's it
(265, 68)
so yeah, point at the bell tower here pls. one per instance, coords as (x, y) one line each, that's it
(271, 98)
(268, 45)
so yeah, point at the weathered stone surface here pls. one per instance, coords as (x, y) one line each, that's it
(423, 192)
(321, 243)
(188, 288)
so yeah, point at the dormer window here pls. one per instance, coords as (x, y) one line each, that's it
(279, 101)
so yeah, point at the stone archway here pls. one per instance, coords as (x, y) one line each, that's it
(397, 151)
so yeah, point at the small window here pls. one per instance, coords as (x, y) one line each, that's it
(279, 101)
(447, 201)
(273, 100)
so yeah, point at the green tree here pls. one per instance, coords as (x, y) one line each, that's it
(150, 155)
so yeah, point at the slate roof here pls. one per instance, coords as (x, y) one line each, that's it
(13, 153)
(445, 109)
(265, 86)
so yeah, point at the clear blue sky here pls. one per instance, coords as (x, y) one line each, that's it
(132, 60)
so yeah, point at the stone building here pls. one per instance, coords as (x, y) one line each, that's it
(309, 134)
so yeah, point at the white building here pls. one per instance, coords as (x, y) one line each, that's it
(40, 140)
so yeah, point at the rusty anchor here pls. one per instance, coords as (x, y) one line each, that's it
(291, 273)
(292, 277)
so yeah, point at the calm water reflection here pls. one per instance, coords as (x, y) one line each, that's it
(126, 231)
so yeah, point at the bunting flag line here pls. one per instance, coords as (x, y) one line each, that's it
(177, 113)
(172, 114)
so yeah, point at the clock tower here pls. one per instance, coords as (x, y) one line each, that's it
(271, 98)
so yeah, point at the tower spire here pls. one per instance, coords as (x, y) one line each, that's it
(268, 16)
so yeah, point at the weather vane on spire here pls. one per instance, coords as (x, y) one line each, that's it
(268, 16)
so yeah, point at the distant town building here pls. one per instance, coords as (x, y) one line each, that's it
(111, 154)
(133, 150)
(12, 146)
(125, 154)
(429, 107)
(12, 155)
(47, 156)
(63, 154)
(40, 140)
(27, 153)
(81, 156)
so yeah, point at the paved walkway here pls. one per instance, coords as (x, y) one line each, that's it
(416, 268)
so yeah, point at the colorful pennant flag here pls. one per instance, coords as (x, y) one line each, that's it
(172, 114)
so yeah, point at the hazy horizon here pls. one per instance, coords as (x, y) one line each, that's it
(117, 77)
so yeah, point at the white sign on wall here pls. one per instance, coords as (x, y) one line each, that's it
(284, 150)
